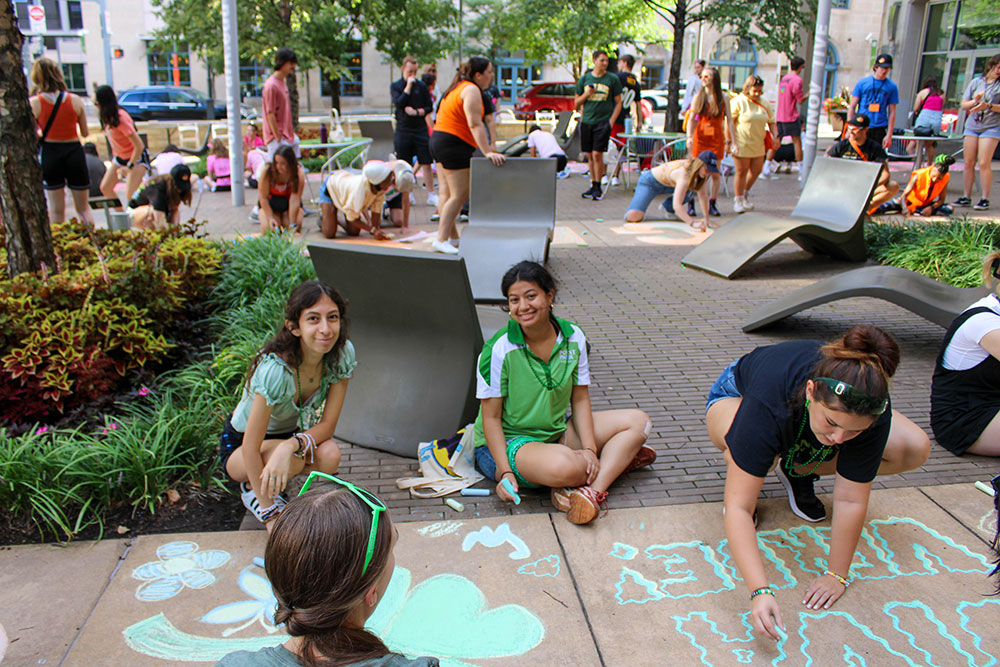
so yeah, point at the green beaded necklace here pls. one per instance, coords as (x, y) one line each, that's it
(798, 445)
(547, 381)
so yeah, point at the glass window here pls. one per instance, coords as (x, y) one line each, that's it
(168, 68)
(75, 79)
(75, 15)
(978, 25)
(956, 82)
(651, 75)
(933, 65)
(157, 97)
(892, 23)
(53, 21)
(841, 4)
(735, 59)
(350, 83)
(21, 8)
(940, 22)
(253, 74)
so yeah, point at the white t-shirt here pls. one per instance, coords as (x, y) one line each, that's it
(964, 351)
(545, 143)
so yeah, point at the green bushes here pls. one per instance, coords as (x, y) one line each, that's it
(950, 251)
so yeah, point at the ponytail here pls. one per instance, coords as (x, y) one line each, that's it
(865, 358)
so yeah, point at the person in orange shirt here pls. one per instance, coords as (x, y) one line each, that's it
(129, 154)
(928, 187)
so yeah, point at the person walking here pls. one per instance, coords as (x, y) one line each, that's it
(753, 118)
(599, 96)
(710, 128)
(876, 96)
(413, 104)
(693, 85)
(790, 96)
(981, 102)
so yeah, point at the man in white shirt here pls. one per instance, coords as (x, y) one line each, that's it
(693, 85)
(544, 144)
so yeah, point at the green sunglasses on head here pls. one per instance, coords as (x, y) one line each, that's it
(855, 399)
(376, 505)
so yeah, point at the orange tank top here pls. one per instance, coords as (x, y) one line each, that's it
(924, 192)
(65, 125)
(451, 115)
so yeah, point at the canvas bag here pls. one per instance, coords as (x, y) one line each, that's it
(447, 465)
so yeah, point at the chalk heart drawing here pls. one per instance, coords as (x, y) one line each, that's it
(492, 538)
(446, 616)
(181, 565)
(543, 567)
(260, 609)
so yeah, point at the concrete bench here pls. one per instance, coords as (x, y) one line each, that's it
(382, 136)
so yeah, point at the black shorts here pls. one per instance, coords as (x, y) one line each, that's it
(278, 203)
(230, 440)
(408, 144)
(64, 164)
(595, 137)
(143, 160)
(792, 129)
(561, 161)
(877, 134)
(396, 203)
(450, 151)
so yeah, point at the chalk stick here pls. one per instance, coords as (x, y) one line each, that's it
(985, 488)
(258, 561)
(454, 504)
(510, 489)
(475, 492)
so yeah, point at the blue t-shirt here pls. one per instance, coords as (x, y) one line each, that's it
(871, 91)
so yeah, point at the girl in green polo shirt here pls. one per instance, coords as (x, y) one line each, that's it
(530, 374)
(273, 432)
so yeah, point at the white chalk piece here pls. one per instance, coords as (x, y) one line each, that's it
(454, 504)
(258, 561)
(475, 492)
(985, 488)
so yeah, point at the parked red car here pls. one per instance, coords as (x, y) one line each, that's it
(554, 96)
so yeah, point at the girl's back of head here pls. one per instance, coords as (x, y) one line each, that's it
(219, 148)
(865, 358)
(314, 560)
(107, 106)
(47, 77)
(472, 66)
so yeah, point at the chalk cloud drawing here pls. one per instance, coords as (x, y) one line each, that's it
(491, 538)
(623, 551)
(988, 522)
(632, 587)
(260, 609)
(446, 616)
(440, 529)
(181, 565)
(543, 567)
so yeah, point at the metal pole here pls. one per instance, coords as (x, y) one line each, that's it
(109, 75)
(230, 47)
(815, 88)
(461, 14)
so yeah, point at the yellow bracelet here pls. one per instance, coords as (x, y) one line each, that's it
(839, 578)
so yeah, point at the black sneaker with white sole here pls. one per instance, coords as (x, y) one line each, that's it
(983, 204)
(963, 201)
(598, 194)
(589, 193)
(801, 495)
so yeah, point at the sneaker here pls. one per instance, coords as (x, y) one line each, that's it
(413, 200)
(713, 210)
(963, 201)
(444, 247)
(747, 204)
(801, 496)
(584, 504)
(645, 457)
(432, 199)
(615, 181)
(589, 193)
(564, 173)
(560, 498)
(463, 218)
(691, 210)
(667, 214)
(435, 217)
(250, 501)
(983, 204)
(604, 181)
(738, 206)
(454, 242)
(598, 194)
(255, 214)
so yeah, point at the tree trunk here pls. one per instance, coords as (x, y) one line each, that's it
(671, 123)
(293, 95)
(22, 201)
(334, 86)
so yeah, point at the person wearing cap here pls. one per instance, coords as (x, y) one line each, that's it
(159, 203)
(858, 145)
(397, 198)
(359, 197)
(678, 180)
(877, 95)
(928, 187)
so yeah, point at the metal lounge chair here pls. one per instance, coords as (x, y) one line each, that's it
(934, 301)
(382, 136)
(512, 216)
(828, 219)
(417, 357)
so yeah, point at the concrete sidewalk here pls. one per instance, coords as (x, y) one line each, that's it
(637, 587)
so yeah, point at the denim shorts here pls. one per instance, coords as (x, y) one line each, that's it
(989, 133)
(488, 466)
(724, 386)
(324, 195)
(648, 188)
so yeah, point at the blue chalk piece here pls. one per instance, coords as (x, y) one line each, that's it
(510, 489)
(475, 492)
(258, 561)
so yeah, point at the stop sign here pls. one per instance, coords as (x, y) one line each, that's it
(36, 13)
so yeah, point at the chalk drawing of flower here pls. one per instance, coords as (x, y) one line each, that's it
(260, 609)
(181, 565)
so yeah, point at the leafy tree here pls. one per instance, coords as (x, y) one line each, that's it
(420, 28)
(773, 25)
(27, 236)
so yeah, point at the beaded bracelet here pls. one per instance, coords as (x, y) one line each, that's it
(839, 578)
(306, 451)
(763, 590)
(298, 453)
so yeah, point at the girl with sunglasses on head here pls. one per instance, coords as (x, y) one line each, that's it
(807, 409)
(273, 433)
(531, 373)
(329, 559)
(965, 392)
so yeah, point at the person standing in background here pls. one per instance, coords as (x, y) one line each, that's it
(599, 97)
(693, 85)
(876, 96)
(790, 96)
(413, 104)
(278, 122)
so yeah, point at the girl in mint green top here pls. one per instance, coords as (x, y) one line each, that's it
(530, 374)
(291, 401)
